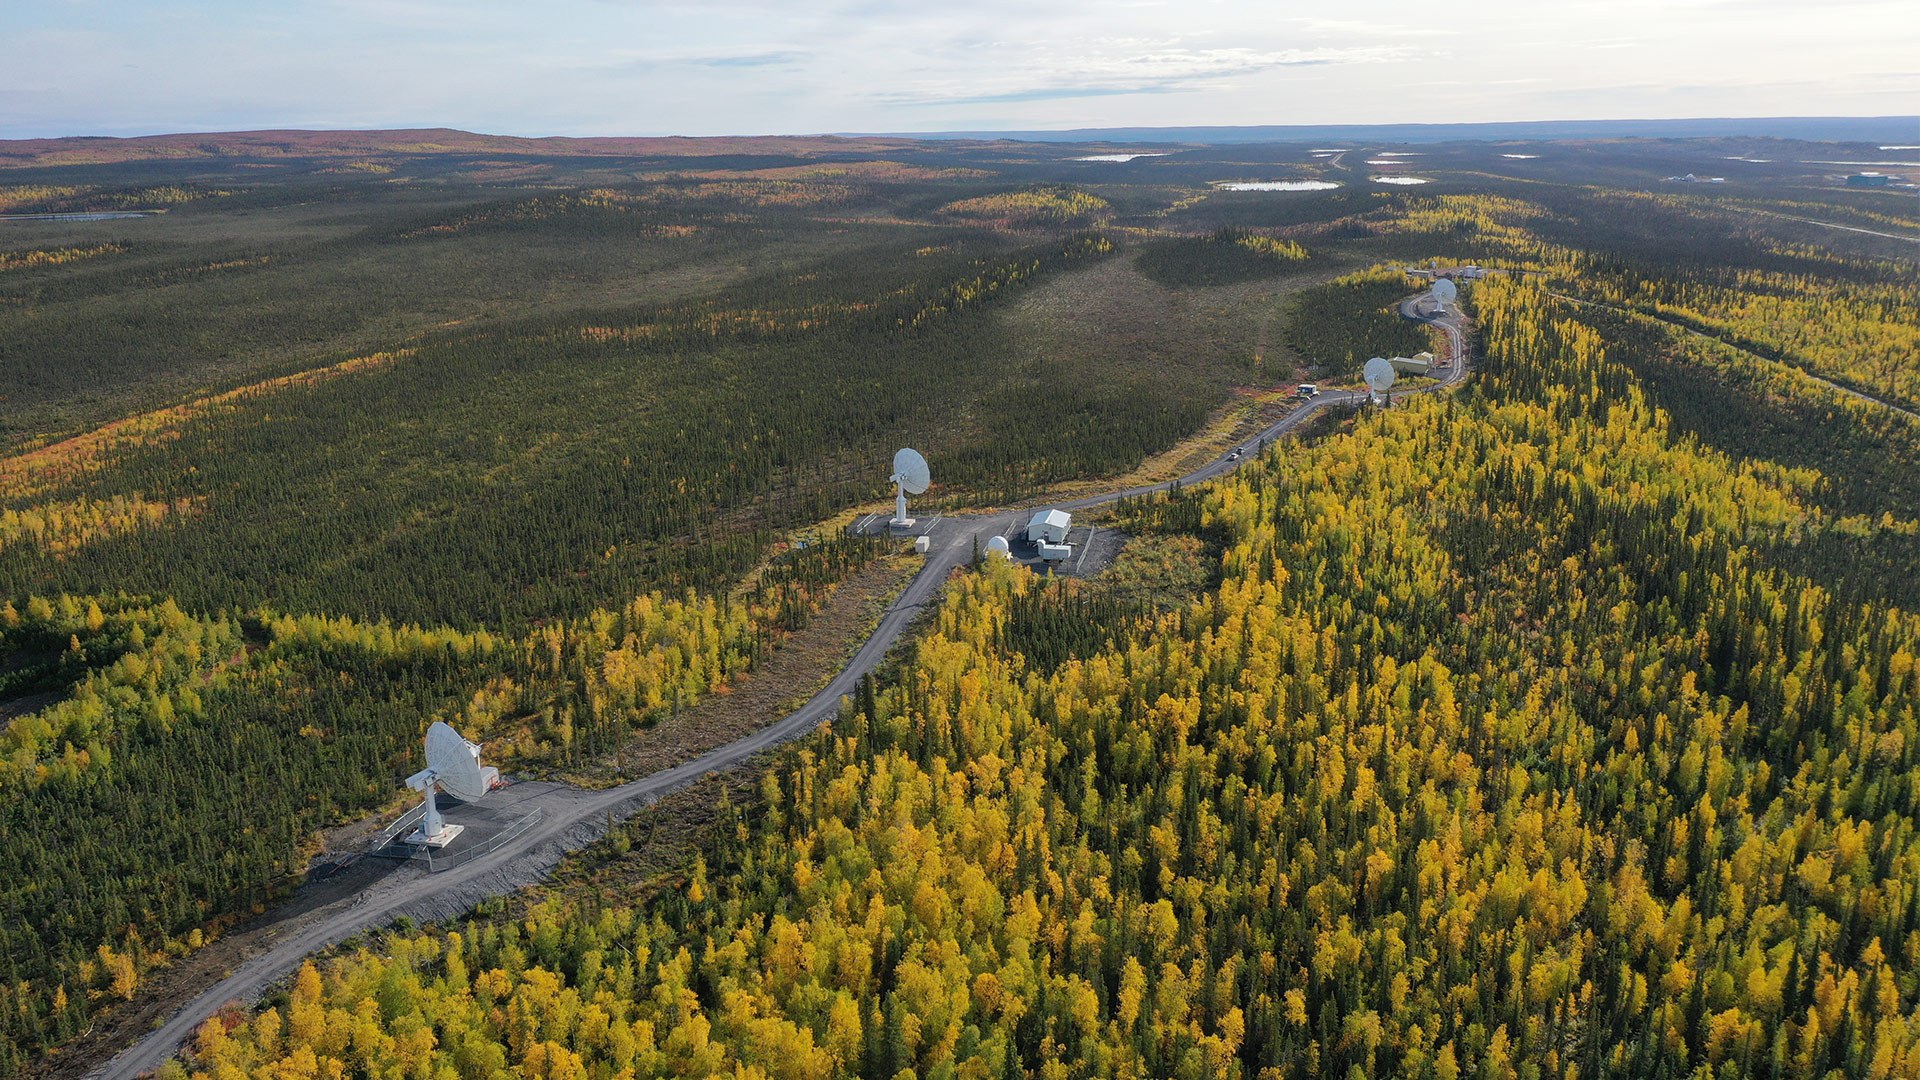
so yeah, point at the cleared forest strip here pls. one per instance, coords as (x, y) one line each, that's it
(1704, 336)
(35, 472)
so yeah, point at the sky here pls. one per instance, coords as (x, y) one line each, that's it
(740, 67)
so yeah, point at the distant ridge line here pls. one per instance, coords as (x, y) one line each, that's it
(273, 144)
(1812, 128)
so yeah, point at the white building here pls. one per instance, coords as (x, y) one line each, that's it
(1049, 527)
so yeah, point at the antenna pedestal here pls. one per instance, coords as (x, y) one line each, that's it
(901, 522)
(421, 838)
(434, 832)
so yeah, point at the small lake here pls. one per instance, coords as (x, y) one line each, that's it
(1276, 185)
(1122, 157)
(90, 215)
(1400, 180)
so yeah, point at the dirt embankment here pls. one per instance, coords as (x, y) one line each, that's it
(789, 675)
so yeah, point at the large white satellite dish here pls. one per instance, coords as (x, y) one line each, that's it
(1445, 292)
(1380, 375)
(910, 477)
(453, 766)
(455, 762)
(998, 546)
(910, 471)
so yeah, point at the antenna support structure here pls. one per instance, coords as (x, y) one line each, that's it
(453, 766)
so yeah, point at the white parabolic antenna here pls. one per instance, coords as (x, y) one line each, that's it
(999, 546)
(1445, 291)
(910, 477)
(455, 762)
(453, 766)
(910, 471)
(1380, 375)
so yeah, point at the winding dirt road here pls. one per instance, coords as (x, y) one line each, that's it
(573, 817)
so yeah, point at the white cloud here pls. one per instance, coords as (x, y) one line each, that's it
(1048, 75)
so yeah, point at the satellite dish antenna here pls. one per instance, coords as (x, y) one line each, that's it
(998, 546)
(1445, 292)
(910, 477)
(453, 766)
(1380, 376)
(455, 762)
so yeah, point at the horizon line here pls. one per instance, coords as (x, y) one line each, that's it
(1009, 132)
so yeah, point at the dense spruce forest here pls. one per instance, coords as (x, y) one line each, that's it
(1561, 724)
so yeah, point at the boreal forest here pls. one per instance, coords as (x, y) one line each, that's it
(1560, 719)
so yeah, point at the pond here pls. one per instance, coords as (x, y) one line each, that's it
(1276, 185)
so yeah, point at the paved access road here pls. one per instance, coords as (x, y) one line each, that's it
(572, 817)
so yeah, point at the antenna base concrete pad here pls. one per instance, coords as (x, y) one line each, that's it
(436, 840)
(902, 524)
